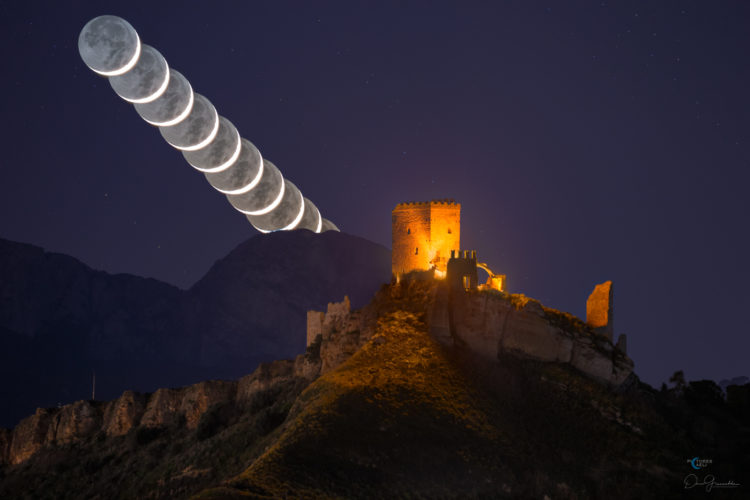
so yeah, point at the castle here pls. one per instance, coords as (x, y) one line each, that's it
(427, 236)
(427, 244)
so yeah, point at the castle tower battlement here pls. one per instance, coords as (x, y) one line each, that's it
(424, 233)
(462, 270)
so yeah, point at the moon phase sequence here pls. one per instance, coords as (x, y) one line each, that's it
(188, 121)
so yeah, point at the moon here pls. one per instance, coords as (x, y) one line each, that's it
(328, 226)
(221, 153)
(286, 216)
(189, 122)
(265, 196)
(173, 106)
(243, 175)
(311, 219)
(147, 80)
(197, 130)
(109, 45)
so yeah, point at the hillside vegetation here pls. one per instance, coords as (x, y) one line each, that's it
(405, 417)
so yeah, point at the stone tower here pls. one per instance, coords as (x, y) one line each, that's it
(599, 309)
(424, 233)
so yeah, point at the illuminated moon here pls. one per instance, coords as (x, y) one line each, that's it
(197, 130)
(243, 175)
(147, 81)
(173, 106)
(286, 216)
(328, 226)
(265, 196)
(109, 45)
(189, 122)
(311, 219)
(221, 153)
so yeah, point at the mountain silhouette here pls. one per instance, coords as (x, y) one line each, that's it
(61, 321)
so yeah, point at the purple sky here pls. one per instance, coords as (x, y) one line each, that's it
(586, 141)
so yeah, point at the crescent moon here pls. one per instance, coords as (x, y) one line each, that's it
(220, 153)
(692, 462)
(109, 45)
(146, 81)
(311, 217)
(286, 215)
(275, 203)
(197, 130)
(211, 136)
(327, 226)
(298, 219)
(173, 106)
(243, 175)
(129, 65)
(265, 196)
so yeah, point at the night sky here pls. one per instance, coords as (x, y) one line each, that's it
(586, 141)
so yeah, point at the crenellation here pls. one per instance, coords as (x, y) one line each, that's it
(444, 201)
(423, 234)
(462, 270)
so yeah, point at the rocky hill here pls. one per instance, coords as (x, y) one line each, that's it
(378, 407)
(60, 320)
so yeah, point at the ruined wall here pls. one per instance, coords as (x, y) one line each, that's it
(314, 325)
(462, 271)
(490, 323)
(423, 234)
(343, 332)
(599, 309)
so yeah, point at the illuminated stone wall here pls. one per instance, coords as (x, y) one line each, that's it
(445, 232)
(599, 309)
(424, 233)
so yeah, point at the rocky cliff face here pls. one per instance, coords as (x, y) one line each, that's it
(488, 324)
(491, 323)
(165, 408)
(141, 334)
